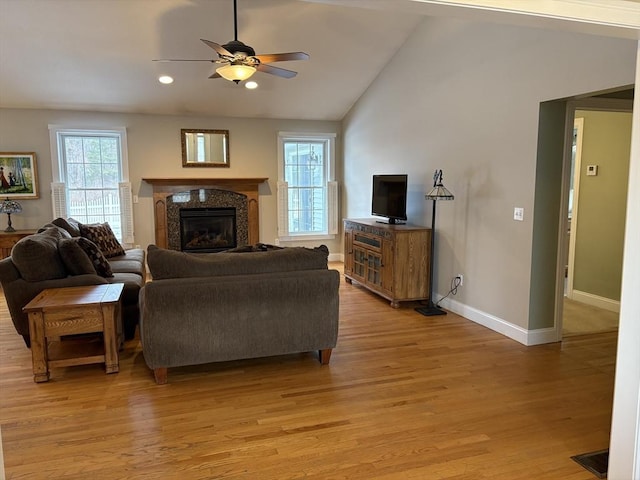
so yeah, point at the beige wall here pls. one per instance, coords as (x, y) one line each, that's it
(154, 151)
(606, 142)
(465, 97)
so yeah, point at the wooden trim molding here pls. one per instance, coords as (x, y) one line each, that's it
(165, 187)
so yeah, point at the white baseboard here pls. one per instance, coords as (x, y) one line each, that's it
(596, 301)
(542, 336)
(519, 334)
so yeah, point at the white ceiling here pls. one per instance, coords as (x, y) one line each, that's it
(97, 55)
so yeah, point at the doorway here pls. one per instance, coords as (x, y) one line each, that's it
(597, 161)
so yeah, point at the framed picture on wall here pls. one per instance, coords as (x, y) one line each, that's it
(18, 175)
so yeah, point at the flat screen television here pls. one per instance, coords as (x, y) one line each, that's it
(389, 197)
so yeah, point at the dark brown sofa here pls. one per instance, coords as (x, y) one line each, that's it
(38, 262)
(202, 308)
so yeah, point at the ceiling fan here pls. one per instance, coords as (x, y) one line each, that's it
(239, 61)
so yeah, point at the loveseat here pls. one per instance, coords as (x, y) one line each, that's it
(203, 308)
(66, 253)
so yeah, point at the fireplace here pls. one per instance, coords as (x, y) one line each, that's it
(170, 195)
(207, 229)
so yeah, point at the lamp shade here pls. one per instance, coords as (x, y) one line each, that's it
(10, 206)
(439, 191)
(236, 73)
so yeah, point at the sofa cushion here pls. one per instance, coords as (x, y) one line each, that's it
(173, 264)
(37, 258)
(132, 284)
(122, 265)
(133, 261)
(70, 225)
(99, 261)
(75, 258)
(102, 235)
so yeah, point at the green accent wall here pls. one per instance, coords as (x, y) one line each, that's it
(544, 254)
(606, 142)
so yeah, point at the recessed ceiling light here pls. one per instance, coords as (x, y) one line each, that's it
(251, 85)
(166, 79)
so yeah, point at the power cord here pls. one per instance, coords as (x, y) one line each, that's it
(455, 283)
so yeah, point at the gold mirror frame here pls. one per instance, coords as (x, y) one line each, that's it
(214, 148)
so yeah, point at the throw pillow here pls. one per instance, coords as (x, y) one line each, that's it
(99, 261)
(70, 225)
(36, 256)
(75, 259)
(102, 235)
(258, 247)
(63, 233)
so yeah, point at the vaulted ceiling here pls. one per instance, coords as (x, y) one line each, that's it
(97, 55)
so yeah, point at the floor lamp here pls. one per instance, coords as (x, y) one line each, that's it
(437, 193)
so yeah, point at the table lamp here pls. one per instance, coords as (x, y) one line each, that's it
(10, 206)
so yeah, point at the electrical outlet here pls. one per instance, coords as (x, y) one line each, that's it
(460, 277)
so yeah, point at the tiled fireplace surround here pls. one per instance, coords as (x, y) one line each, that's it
(171, 194)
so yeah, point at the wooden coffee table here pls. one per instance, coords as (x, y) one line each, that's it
(59, 312)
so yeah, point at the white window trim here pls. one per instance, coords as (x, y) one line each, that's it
(58, 189)
(332, 188)
(56, 154)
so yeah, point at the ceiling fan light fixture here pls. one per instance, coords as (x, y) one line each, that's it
(236, 73)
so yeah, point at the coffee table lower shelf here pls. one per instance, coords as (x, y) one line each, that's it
(72, 352)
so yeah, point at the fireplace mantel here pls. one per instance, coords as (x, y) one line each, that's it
(165, 187)
(179, 184)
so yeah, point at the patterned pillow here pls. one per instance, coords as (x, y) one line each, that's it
(102, 235)
(99, 261)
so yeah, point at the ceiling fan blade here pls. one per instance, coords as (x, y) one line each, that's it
(217, 47)
(281, 57)
(215, 75)
(280, 72)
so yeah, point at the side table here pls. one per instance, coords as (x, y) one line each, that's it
(57, 312)
(9, 239)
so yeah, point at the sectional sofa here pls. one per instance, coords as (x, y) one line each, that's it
(66, 253)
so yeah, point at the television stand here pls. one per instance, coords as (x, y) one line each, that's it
(391, 260)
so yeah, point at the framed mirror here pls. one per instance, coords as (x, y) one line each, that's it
(205, 148)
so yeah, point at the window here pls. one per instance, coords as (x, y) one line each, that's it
(307, 191)
(90, 173)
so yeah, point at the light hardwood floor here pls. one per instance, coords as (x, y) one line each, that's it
(405, 397)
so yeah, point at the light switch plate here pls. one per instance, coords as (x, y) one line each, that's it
(518, 214)
(592, 170)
